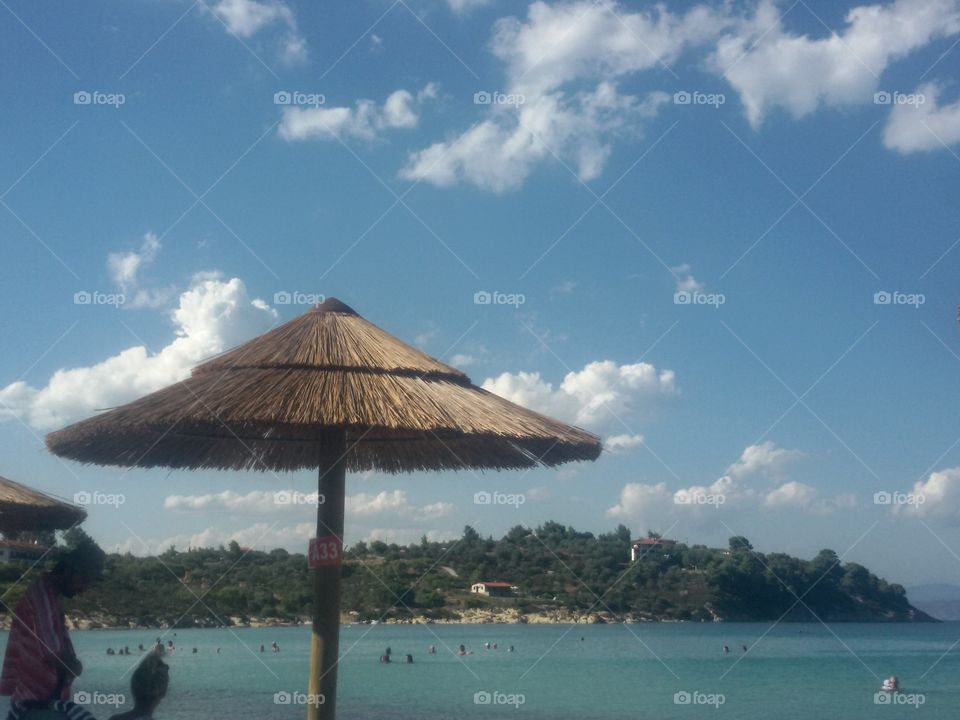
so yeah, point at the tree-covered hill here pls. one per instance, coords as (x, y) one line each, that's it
(561, 575)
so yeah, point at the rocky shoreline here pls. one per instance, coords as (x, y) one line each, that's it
(472, 616)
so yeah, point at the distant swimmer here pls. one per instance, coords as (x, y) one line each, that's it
(486, 646)
(194, 651)
(408, 658)
(744, 648)
(262, 648)
(890, 685)
(218, 651)
(510, 649)
(388, 651)
(726, 650)
(110, 651)
(274, 647)
(494, 646)
(140, 647)
(384, 658)
(432, 650)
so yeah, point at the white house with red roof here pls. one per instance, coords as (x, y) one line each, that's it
(494, 589)
(649, 546)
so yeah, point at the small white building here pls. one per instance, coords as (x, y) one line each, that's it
(649, 546)
(494, 589)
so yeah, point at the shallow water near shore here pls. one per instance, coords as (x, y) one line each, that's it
(795, 671)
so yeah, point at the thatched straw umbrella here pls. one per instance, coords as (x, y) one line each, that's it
(24, 509)
(327, 390)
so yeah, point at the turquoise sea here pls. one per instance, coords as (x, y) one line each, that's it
(557, 672)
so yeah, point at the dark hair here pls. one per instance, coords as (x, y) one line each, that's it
(150, 680)
(85, 557)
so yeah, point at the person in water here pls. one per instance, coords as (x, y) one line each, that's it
(40, 663)
(432, 650)
(148, 685)
(408, 658)
(726, 649)
(891, 684)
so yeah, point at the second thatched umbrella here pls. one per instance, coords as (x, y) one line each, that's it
(25, 509)
(329, 391)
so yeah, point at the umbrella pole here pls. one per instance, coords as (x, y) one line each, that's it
(325, 641)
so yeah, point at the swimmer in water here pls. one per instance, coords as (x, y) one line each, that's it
(726, 650)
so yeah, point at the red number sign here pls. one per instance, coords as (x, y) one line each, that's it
(324, 551)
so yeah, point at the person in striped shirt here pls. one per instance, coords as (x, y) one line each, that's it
(40, 663)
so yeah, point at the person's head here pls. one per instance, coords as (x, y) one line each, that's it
(78, 567)
(149, 682)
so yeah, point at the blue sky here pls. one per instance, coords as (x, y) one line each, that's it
(777, 165)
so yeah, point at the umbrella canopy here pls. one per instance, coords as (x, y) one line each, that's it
(272, 402)
(331, 391)
(22, 508)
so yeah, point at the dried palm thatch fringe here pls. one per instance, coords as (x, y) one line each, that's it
(22, 508)
(270, 403)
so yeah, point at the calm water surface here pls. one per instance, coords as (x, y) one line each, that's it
(557, 672)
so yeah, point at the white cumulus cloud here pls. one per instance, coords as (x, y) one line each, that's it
(213, 315)
(771, 67)
(764, 458)
(597, 396)
(923, 126)
(245, 18)
(365, 120)
(125, 270)
(790, 495)
(622, 443)
(938, 497)
(562, 63)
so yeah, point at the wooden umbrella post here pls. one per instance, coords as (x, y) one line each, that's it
(325, 558)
